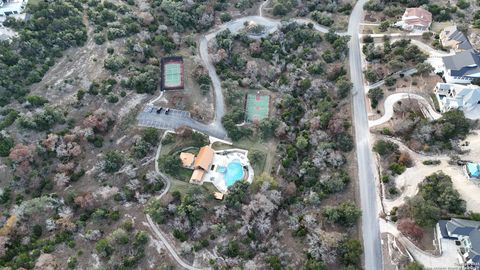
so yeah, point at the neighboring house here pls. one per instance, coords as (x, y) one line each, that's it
(415, 19)
(12, 7)
(453, 38)
(457, 96)
(462, 67)
(466, 234)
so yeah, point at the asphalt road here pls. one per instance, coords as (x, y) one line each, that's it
(368, 196)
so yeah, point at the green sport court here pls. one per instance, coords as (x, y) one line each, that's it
(173, 75)
(257, 107)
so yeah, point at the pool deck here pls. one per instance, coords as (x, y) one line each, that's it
(223, 158)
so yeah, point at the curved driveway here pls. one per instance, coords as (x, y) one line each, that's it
(392, 99)
(153, 226)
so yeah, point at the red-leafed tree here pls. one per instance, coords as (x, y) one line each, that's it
(410, 229)
(22, 155)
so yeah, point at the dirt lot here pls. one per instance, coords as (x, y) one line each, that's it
(409, 180)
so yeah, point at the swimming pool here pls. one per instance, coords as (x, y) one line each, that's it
(234, 172)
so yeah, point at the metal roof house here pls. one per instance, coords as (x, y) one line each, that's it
(462, 67)
(458, 96)
(453, 38)
(467, 235)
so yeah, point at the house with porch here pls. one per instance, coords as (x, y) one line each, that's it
(458, 96)
(415, 19)
(453, 38)
(466, 234)
(461, 68)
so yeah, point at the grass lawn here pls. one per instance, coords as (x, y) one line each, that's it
(437, 27)
(177, 146)
(375, 29)
(180, 186)
(184, 174)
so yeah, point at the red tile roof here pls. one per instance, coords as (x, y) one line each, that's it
(418, 16)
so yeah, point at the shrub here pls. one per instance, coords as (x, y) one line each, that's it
(225, 17)
(345, 214)
(115, 63)
(432, 162)
(6, 143)
(385, 148)
(279, 10)
(180, 235)
(113, 162)
(170, 164)
(103, 248)
(350, 252)
(375, 96)
(36, 101)
(396, 168)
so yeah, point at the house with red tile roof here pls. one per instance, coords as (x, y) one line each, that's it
(415, 19)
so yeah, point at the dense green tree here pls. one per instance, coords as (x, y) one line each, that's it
(344, 86)
(52, 27)
(113, 162)
(375, 95)
(150, 135)
(237, 195)
(345, 214)
(104, 248)
(350, 252)
(6, 143)
(170, 164)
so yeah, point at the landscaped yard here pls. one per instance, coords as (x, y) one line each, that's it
(268, 149)
(173, 146)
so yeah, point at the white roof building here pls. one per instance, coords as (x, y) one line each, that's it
(12, 7)
(457, 96)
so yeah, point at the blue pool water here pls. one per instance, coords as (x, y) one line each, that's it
(234, 173)
(221, 169)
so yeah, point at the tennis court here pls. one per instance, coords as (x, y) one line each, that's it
(257, 107)
(173, 75)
